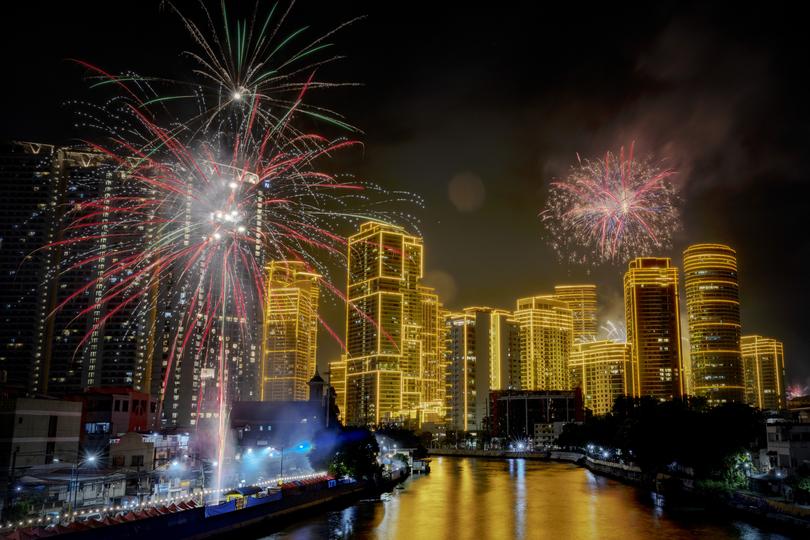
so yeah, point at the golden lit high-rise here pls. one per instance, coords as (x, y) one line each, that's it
(602, 369)
(654, 327)
(290, 331)
(546, 337)
(713, 308)
(384, 364)
(581, 300)
(764, 368)
(461, 371)
(433, 342)
(482, 345)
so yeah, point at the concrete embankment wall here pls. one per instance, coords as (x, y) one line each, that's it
(619, 471)
(572, 457)
(747, 505)
(500, 454)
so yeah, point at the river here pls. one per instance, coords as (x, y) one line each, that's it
(478, 499)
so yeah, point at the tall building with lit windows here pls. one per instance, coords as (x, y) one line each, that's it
(713, 309)
(187, 354)
(384, 372)
(602, 371)
(482, 345)
(30, 198)
(764, 369)
(461, 371)
(433, 343)
(581, 300)
(654, 327)
(43, 350)
(290, 331)
(546, 337)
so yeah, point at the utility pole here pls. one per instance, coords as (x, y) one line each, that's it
(10, 488)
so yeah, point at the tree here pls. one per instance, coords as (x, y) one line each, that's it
(713, 442)
(356, 453)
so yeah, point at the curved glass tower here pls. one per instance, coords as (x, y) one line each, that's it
(713, 308)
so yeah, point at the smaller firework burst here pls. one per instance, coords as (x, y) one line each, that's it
(615, 331)
(796, 391)
(612, 209)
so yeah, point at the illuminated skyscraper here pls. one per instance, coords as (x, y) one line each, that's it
(192, 353)
(581, 300)
(30, 198)
(60, 353)
(432, 336)
(713, 307)
(461, 371)
(654, 327)
(546, 337)
(290, 331)
(602, 369)
(504, 349)
(482, 345)
(384, 372)
(764, 368)
(337, 379)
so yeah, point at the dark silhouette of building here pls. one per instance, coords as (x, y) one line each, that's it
(513, 414)
(279, 424)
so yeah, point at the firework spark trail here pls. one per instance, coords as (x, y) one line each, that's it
(612, 209)
(614, 331)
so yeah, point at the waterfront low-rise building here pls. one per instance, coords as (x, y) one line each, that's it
(276, 424)
(799, 408)
(60, 486)
(108, 413)
(788, 445)
(514, 414)
(134, 455)
(37, 432)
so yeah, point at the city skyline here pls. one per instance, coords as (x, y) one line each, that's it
(417, 136)
(305, 269)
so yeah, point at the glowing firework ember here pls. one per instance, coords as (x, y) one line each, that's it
(797, 391)
(612, 209)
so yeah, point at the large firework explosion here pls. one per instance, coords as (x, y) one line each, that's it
(612, 209)
(196, 200)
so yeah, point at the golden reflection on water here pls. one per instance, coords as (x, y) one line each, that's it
(477, 499)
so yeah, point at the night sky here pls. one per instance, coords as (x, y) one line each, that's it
(498, 101)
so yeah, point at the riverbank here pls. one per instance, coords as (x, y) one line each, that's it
(746, 505)
(570, 457)
(199, 523)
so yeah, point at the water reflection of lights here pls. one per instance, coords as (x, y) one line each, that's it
(520, 498)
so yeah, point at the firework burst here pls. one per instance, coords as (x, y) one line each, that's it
(190, 207)
(241, 67)
(612, 209)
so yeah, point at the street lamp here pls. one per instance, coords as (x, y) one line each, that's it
(301, 447)
(75, 477)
